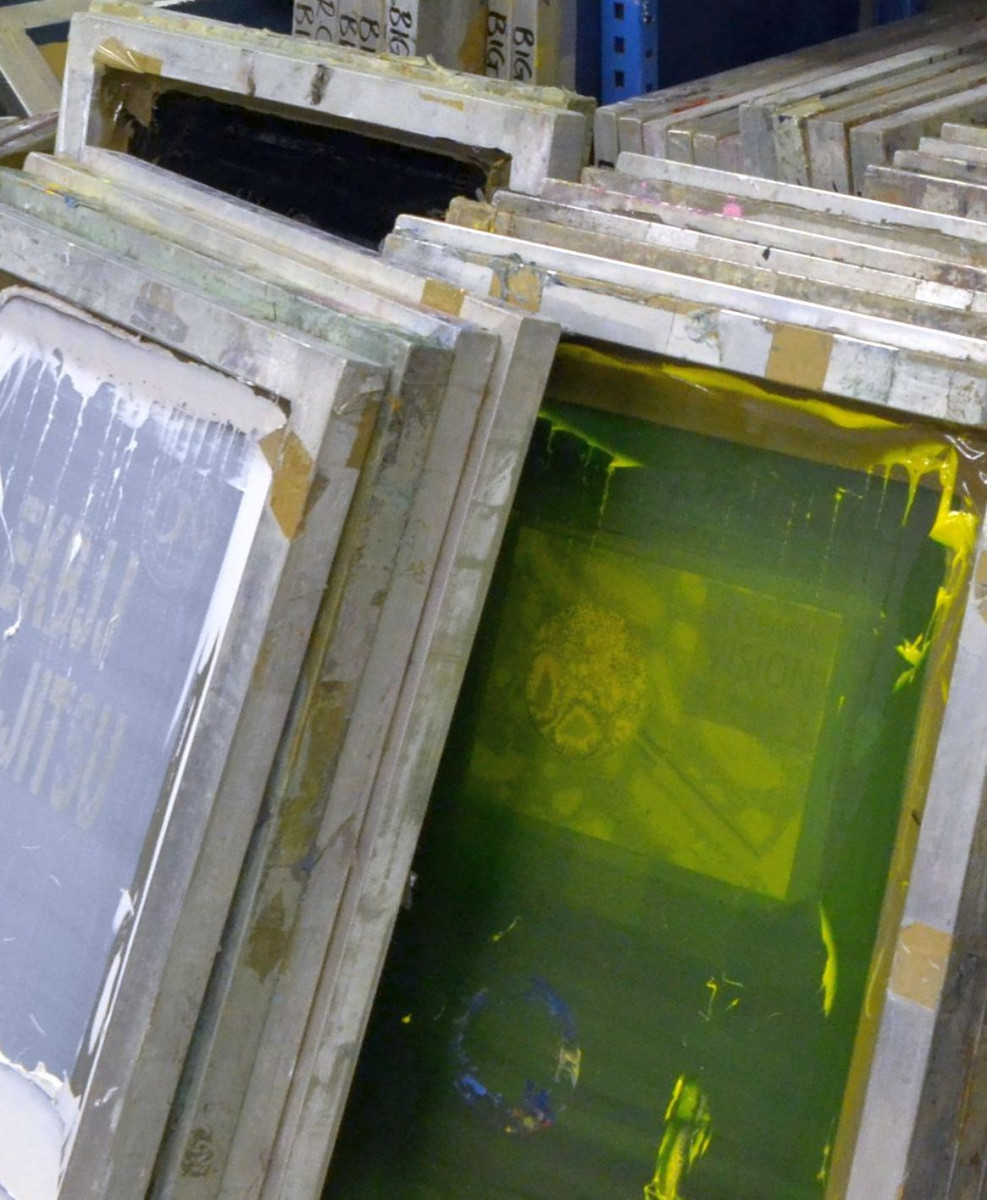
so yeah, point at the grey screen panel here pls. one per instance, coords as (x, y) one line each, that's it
(118, 513)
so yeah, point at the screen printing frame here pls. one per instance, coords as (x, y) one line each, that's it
(332, 398)
(829, 162)
(544, 132)
(618, 126)
(115, 1017)
(772, 128)
(297, 1085)
(958, 154)
(28, 85)
(156, 205)
(796, 275)
(965, 135)
(866, 226)
(922, 941)
(766, 145)
(730, 260)
(950, 158)
(27, 82)
(923, 187)
(697, 212)
(239, 1020)
(725, 325)
(415, 364)
(738, 130)
(335, 962)
(796, 251)
(812, 139)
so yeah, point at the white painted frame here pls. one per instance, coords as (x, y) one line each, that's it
(331, 397)
(318, 81)
(296, 1088)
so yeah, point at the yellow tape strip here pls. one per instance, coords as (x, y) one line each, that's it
(445, 297)
(113, 53)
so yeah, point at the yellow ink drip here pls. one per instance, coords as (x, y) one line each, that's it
(684, 1141)
(618, 461)
(828, 985)
(501, 933)
(953, 528)
(714, 987)
(824, 1165)
(560, 425)
(569, 1062)
(827, 1154)
(712, 380)
(580, 370)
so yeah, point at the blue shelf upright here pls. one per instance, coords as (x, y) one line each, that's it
(628, 48)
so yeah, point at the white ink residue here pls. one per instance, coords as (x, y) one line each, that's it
(151, 389)
(100, 357)
(105, 1003)
(38, 1112)
(125, 910)
(13, 627)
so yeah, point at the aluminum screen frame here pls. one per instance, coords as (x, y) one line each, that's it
(353, 944)
(327, 391)
(614, 303)
(310, 81)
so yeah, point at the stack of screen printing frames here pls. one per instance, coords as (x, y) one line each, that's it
(253, 483)
(684, 291)
(946, 173)
(309, 129)
(821, 117)
(698, 901)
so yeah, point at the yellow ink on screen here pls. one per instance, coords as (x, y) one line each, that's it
(684, 1141)
(828, 985)
(686, 728)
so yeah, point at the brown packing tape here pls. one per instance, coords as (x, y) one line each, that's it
(368, 420)
(54, 55)
(799, 357)
(520, 286)
(444, 296)
(472, 214)
(919, 967)
(268, 941)
(113, 53)
(323, 728)
(292, 466)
